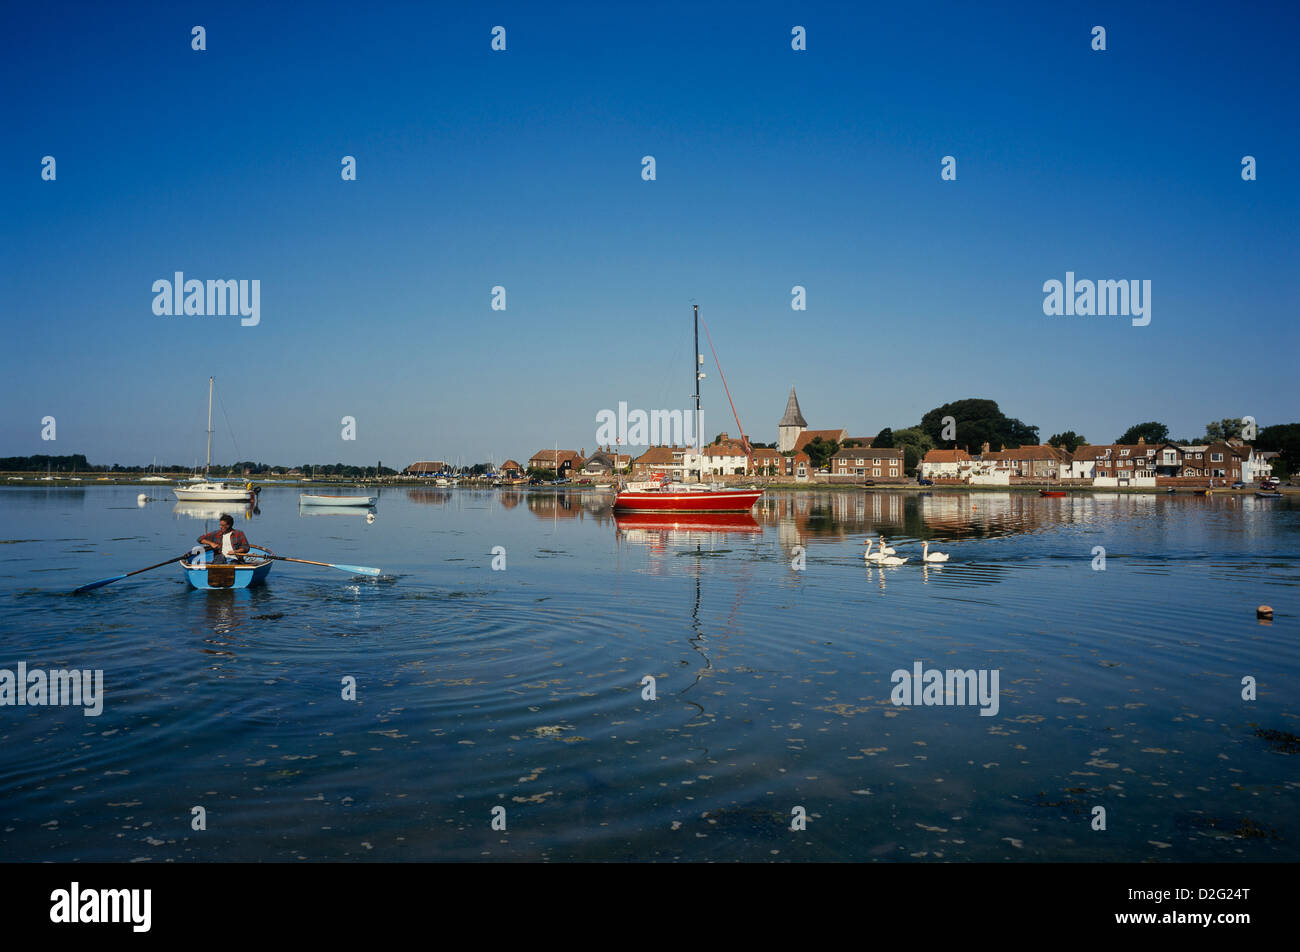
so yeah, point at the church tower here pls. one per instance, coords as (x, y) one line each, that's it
(791, 425)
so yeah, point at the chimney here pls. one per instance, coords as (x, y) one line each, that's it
(984, 450)
(582, 451)
(1142, 441)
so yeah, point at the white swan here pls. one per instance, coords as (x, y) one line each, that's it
(927, 556)
(869, 555)
(891, 560)
(884, 549)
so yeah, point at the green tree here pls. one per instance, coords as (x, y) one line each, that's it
(977, 422)
(884, 439)
(1069, 439)
(1226, 429)
(1284, 439)
(1151, 432)
(915, 443)
(820, 451)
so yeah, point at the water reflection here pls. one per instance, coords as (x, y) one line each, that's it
(355, 511)
(211, 511)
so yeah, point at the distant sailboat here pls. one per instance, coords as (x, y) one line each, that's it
(205, 491)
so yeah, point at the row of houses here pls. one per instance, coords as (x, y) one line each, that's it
(1112, 464)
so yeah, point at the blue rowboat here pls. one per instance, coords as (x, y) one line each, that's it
(226, 575)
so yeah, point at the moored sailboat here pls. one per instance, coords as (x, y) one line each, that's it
(204, 490)
(664, 495)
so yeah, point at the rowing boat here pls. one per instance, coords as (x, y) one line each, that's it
(315, 499)
(1051, 492)
(205, 575)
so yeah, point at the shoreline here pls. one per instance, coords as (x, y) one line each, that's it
(32, 481)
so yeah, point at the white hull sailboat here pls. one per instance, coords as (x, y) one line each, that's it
(207, 491)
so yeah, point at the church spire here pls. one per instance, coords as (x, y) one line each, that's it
(792, 415)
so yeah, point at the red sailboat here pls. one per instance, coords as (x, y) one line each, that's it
(664, 495)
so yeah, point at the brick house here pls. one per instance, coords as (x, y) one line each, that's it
(563, 462)
(867, 462)
(666, 460)
(1043, 462)
(770, 462)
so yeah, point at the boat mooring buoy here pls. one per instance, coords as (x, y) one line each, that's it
(1264, 611)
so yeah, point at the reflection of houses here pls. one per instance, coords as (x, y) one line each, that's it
(868, 463)
(562, 462)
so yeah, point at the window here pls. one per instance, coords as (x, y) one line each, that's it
(1215, 457)
(1123, 452)
(1198, 455)
(875, 472)
(877, 463)
(893, 472)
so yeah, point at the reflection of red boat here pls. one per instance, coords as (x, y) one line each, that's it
(1051, 492)
(688, 521)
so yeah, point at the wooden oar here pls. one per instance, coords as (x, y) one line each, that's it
(355, 569)
(118, 578)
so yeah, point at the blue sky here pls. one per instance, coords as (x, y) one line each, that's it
(522, 169)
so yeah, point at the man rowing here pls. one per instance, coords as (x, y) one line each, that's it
(228, 543)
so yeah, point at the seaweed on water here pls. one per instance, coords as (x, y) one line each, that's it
(1283, 742)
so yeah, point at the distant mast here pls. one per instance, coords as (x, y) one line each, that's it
(208, 465)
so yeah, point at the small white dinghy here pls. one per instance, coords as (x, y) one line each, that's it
(312, 499)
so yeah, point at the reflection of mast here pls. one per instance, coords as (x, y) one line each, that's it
(697, 640)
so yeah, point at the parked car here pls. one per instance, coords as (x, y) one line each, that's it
(1238, 485)
(869, 482)
(922, 481)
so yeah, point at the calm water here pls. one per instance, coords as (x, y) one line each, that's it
(521, 688)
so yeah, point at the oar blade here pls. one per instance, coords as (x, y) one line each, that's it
(358, 569)
(102, 582)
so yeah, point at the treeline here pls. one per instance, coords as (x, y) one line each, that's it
(78, 463)
(25, 464)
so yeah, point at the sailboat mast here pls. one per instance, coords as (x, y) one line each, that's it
(208, 464)
(699, 421)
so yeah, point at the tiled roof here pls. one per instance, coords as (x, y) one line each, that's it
(947, 456)
(657, 456)
(548, 458)
(807, 436)
(1045, 451)
(858, 452)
